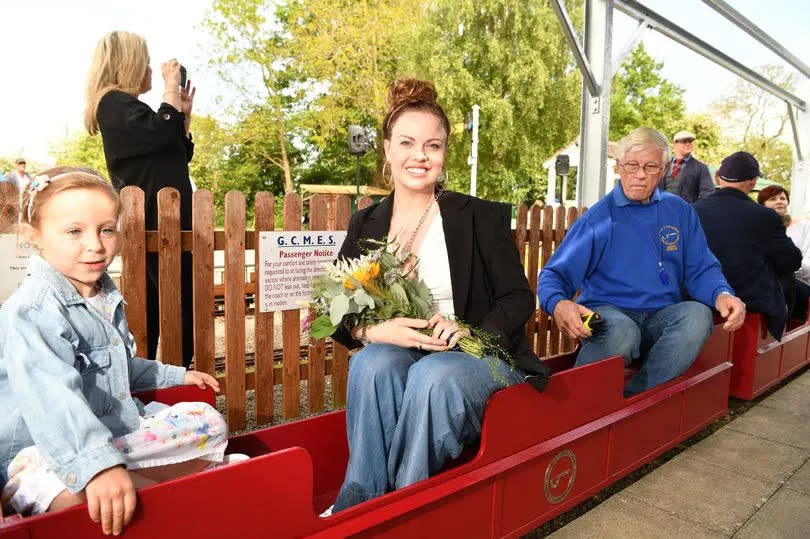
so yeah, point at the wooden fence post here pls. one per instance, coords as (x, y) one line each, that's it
(317, 347)
(9, 202)
(340, 355)
(202, 229)
(264, 334)
(171, 343)
(133, 263)
(291, 328)
(235, 308)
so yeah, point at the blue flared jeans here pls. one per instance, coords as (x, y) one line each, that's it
(667, 340)
(408, 411)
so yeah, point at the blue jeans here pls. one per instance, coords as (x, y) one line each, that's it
(669, 338)
(408, 411)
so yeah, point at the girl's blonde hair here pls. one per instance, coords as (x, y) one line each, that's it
(119, 63)
(63, 179)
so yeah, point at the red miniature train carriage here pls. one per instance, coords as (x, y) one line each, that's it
(539, 455)
(760, 361)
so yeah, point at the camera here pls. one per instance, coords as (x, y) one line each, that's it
(182, 77)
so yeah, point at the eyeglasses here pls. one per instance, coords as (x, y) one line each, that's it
(649, 168)
(686, 140)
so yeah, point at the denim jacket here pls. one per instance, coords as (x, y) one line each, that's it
(66, 374)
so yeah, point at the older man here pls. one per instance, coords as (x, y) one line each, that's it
(750, 241)
(631, 254)
(19, 176)
(685, 176)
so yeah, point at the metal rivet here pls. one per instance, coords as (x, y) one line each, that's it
(70, 479)
(116, 341)
(167, 116)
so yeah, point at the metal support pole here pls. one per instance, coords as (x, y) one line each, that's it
(595, 113)
(580, 56)
(691, 41)
(619, 59)
(800, 180)
(757, 33)
(796, 142)
(357, 175)
(473, 161)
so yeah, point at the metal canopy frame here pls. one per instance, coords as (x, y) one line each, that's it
(594, 61)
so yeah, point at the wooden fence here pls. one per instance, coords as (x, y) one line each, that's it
(537, 233)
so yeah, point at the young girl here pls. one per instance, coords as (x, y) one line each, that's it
(70, 431)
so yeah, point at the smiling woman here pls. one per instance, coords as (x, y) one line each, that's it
(414, 400)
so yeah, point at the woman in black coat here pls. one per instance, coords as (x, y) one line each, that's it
(144, 148)
(413, 401)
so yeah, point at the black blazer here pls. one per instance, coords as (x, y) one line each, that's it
(750, 242)
(148, 149)
(490, 290)
(694, 180)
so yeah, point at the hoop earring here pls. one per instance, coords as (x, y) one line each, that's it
(390, 179)
(441, 182)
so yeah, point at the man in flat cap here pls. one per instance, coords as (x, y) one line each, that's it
(19, 176)
(685, 176)
(749, 240)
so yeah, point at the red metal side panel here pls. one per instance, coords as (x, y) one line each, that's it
(794, 353)
(705, 402)
(744, 356)
(766, 371)
(466, 514)
(553, 483)
(639, 436)
(270, 496)
(519, 417)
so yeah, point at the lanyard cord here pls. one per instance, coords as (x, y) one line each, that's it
(658, 252)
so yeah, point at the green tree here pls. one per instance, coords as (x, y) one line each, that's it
(640, 96)
(251, 54)
(509, 57)
(82, 150)
(757, 122)
(351, 51)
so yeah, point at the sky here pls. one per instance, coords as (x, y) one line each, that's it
(47, 45)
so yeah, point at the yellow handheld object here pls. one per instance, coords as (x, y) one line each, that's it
(592, 321)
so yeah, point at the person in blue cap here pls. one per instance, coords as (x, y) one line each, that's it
(749, 240)
(633, 254)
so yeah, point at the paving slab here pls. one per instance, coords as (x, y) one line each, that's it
(775, 425)
(699, 492)
(749, 455)
(785, 515)
(620, 517)
(794, 398)
(803, 379)
(801, 480)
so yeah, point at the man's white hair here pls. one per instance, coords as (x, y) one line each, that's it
(644, 139)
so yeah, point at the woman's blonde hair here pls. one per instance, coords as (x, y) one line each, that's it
(119, 63)
(62, 179)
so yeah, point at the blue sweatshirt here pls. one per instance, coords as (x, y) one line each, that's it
(613, 252)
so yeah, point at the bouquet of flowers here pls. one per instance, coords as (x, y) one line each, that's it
(379, 286)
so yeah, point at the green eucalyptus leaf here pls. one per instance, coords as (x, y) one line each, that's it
(322, 327)
(339, 308)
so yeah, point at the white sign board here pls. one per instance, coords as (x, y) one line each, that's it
(289, 261)
(13, 265)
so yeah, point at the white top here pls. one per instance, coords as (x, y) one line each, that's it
(434, 268)
(799, 232)
(99, 302)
